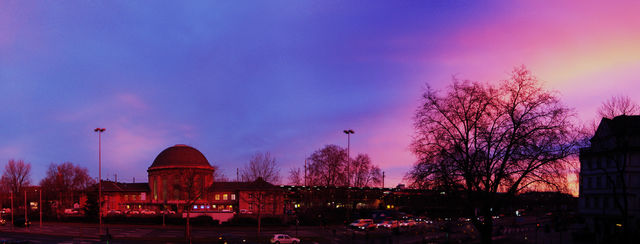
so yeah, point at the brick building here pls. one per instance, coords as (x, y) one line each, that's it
(180, 175)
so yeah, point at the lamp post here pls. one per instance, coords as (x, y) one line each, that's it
(348, 132)
(40, 206)
(99, 131)
(12, 209)
(26, 215)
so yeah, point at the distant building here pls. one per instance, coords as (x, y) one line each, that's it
(610, 176)
(180, 164)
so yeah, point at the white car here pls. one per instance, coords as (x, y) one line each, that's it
(282, 239)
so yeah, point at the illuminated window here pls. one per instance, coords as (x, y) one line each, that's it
(217, 197)
(225, 197)
(230, 207)
(233, 196)
(214, 206)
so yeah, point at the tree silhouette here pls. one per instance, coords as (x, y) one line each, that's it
(295, 177)
(480, 139)
(618, 105)
(261, 165)
(17, 175)
(65, 179)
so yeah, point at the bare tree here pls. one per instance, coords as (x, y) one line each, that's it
(191, 184)
(364, 173)
(479, 140)
(295, 177)
(261, 165)
(17, 175)
(64, 180)
(327, 166)
(618, 105)
(218, 176)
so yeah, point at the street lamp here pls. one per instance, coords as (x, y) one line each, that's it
(99, 131)
(348, 132)
(40, 205)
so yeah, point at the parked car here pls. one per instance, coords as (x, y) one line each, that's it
(71, 211)
(114, 212)
(5, 210)
(283, 238)
(408, 223)
(388, 224)
(133, 212)
(361, 223)
(147, 212)
(168, 212)
(244, 211)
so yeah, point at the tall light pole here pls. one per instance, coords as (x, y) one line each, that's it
(40, 206)
(348, 132)
(26, 216)
(99, 131)
(349, 205)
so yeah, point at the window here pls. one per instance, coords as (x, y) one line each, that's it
(588, 202)
(217, 197)
(590, 182)
(233, 197)
(225, 197)
(598, 181)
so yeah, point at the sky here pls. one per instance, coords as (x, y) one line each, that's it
(287, 77)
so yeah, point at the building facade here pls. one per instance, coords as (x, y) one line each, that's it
(610, 176)
(181, 176)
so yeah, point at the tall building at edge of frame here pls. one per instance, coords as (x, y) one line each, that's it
(180, 175)
(610, 176)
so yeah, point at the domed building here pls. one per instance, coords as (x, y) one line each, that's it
(182, 176)
(179, 173)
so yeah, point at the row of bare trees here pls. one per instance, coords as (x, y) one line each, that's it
(60, 182)
(330, 166)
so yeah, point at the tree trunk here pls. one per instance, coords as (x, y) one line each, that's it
(486, 232)
(485, 227)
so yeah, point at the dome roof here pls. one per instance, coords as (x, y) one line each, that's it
(180, 156)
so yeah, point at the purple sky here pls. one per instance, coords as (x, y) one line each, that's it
(280, 76)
